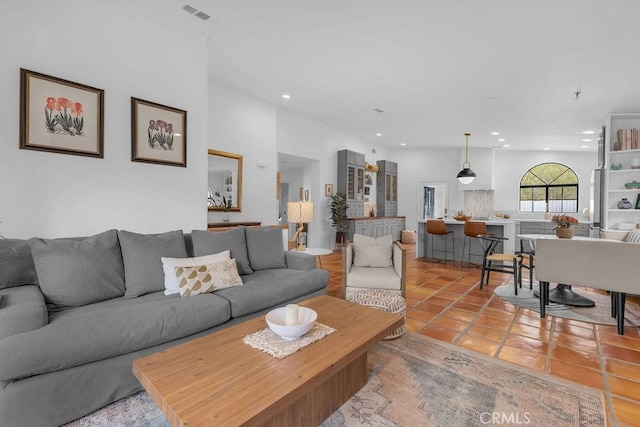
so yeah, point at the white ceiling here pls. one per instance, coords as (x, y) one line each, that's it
(438, 68)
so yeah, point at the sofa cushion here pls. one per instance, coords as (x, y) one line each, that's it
(265, 248)
(207, 242)
(21, 309)
(372, 252)
(79, 271)
(142, 255)
(16, 264)
(200, 279)
(169, 267)
(108, 329)
(268, 288)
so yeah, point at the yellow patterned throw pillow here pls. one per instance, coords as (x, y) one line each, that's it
(200, 279)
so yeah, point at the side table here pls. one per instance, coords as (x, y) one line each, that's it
(317, 252)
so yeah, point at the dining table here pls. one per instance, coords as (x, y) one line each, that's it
(562, 293)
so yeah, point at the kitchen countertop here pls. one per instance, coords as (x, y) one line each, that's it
(498, 221)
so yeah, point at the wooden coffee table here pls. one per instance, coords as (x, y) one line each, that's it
(219, 380)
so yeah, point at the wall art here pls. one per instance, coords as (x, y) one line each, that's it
(60, 116)
(158, 133)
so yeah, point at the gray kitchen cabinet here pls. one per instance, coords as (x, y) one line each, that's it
(351, 181)
(387, 188)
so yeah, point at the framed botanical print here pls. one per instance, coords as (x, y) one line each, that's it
(158, 133)
(60, 116)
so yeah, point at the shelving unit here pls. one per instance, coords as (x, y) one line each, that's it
(351, 181)
(387, 188)
(614, 180)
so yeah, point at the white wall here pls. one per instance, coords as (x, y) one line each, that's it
(510, 166)
(124, 49)
(242, 124)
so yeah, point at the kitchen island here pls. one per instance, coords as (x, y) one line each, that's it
(499, 227)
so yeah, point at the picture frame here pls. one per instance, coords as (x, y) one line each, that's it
(328, 190)
(367, 191)
(637, 206)
(60, 116)
(158, 133)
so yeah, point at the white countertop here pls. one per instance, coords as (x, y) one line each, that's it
(495, 221)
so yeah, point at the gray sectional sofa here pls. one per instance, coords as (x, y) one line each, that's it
(75, 313)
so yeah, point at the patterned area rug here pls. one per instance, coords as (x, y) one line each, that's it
(600, 314)
(418, 381)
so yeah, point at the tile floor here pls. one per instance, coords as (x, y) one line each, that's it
(444, 302)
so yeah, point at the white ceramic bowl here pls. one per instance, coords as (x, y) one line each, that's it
(276, 321)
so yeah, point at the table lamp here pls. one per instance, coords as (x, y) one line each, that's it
(300, 213)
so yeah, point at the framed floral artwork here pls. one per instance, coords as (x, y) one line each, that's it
(158, 133)
(60, 116)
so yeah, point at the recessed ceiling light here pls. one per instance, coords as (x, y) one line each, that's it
(378, 134)
(286, 96)
(506, 145)
(546, 148)
(495, 133)
(587, 140)
(403, 144)
(501, 140)
(588, 132)
(584, 146)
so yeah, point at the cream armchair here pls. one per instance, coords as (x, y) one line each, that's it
(369, 263)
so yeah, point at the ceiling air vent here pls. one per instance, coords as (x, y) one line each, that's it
(195, 12)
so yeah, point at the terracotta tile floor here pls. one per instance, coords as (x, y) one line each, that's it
(445, 303)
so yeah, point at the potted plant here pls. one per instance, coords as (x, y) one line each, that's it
(338, 206)
(563, 224)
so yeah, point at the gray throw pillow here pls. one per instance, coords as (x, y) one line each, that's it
(265, 248)
(633, 236)
(75, 272)
(213, 242)
(16, 264)
(142, 255)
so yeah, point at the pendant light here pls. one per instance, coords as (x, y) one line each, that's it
(466, 175)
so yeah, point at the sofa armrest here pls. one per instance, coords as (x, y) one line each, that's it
(22, 309)
(299, 261)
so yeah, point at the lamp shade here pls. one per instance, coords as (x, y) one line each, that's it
(466, 175)
(300, 212)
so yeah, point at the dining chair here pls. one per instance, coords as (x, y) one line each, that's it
(527, 260)
(498, 262)
(437, 227)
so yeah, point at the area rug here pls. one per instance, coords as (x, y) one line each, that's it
(600, 314)
(418, 381)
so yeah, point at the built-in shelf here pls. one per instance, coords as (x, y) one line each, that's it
(613, 153)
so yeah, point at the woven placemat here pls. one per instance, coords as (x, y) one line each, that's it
(267, 340)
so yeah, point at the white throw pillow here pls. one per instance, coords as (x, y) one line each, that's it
(206, 278)
(371, 252)
(169, 264)
(633, 236)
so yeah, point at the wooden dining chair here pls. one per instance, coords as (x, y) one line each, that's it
(499, 262)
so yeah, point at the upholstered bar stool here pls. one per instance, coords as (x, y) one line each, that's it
(472, 229)
(437, 228)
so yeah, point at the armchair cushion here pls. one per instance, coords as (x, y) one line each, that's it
(372, 252)
(374, 278)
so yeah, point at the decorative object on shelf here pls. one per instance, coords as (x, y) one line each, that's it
(637, 206)
(634, 163)
(60, 116)
(328, 190)
(631, 185)
(563, 225)
(624, 204)
(627, 140)
(158, 134)
(300, 213)
(371, 168)
(466, 175)
(616, 166)
(462, 217)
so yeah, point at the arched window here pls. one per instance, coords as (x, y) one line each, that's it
(549, 187)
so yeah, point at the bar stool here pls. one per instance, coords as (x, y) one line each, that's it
(472, 229)
(437, 227)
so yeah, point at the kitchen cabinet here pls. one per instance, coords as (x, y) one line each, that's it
(621, 147)
(387, 188)
(351, 181)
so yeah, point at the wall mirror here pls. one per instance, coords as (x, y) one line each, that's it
(433, 197)
(224, 181)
